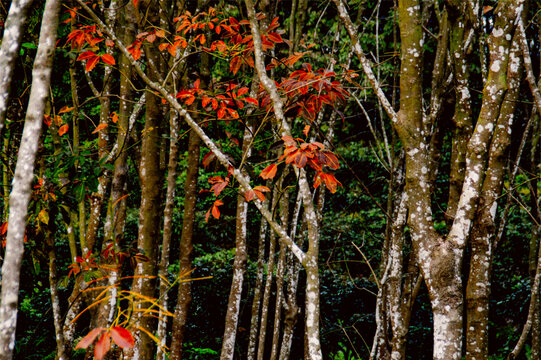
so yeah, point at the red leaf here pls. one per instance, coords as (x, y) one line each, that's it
(251, 101)
(207, 159)
(99, 127)
(89, 338)
(122, 337)
(235, 64)
(275, 37)
(47, 120)
(91, 63)
(243, 90)
(108, 59)
(4, 228)
(102, 346)
(306, 130)
(269, 172)
(86, 55)
(63, 129)
(221, 113)
(328, 158)
(207, 215)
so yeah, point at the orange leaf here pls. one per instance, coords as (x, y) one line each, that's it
(109, 43)
(306, 130)
(269, 172)
(249, 195)
(275, 37)
(108, 59)
(122, 337)
(102, 346)
(114, 117)
(89, 338)
(260, 195)
(4, 228)
(86, 55)
(65, 109)
(215, 210)
(63, 129)
(262, 188)
(202, 39)
(163, 46)
(91, 63)
(99, 127)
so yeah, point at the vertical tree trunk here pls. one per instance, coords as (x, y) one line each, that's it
(149, 224)
(20, 194)
(186, 246)
(483, 231)
(11, 42)
(239, 264)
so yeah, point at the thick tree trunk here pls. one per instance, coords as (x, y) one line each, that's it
(20, 194)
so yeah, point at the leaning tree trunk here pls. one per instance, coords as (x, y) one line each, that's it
(21, 191)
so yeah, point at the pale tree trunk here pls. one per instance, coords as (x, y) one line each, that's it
(284, 214)
(239, 264)
(21, 191)
(461, 17)
(483, 231)
(256, 304)
(11, 42)
(267, 289)
(239, 267)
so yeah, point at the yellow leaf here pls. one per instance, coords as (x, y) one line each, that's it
(43, 216)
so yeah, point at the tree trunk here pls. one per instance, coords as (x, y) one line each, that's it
(21, 191)
(11, 42)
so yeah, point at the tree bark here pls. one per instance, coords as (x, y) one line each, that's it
(21, 191)
(11, 42)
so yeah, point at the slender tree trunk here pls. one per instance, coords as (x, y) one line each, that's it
(149, 225)
(11, 42)
(186, 246)
(21, 191)
(258, 291)
(484, 229)
(239, 264)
